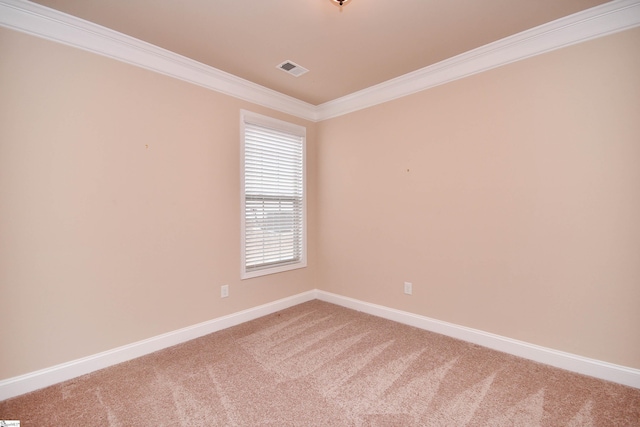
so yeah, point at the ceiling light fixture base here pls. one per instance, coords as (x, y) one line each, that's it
(341, 2)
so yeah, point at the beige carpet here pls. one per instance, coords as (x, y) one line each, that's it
(318, 364)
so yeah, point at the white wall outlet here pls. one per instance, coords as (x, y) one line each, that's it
(408, 288)
(224, 291)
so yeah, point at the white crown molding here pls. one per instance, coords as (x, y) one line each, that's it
(41, 21)
(570, 362)
(609, 18)
(32, 18)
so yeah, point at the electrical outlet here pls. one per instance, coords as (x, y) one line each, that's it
(224, 291)
(408, 288)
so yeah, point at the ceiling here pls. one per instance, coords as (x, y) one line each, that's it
(364, 43)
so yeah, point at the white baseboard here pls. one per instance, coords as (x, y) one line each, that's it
(45, 377)
(570, 362)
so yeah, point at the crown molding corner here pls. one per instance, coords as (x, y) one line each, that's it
(41, 21)
(34, 19)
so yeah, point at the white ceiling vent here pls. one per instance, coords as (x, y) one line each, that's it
(292, 68)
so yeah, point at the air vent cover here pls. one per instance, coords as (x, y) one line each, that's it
(292, 68)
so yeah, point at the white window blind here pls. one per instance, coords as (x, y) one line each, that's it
(273, 196)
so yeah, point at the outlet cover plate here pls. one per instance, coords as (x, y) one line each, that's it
(408, 288)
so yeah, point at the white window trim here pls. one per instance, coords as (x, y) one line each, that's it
(259, 119)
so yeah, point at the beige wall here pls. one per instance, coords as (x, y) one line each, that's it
(510, 199)
(119, 205)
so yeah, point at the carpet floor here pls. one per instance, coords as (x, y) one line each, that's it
(317, 364)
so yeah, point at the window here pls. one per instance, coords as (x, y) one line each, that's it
(273, 195)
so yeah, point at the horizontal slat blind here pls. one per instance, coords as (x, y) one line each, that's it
(273, 180)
